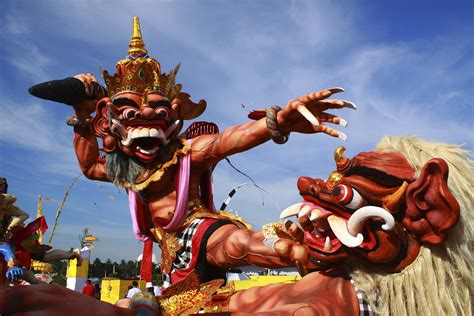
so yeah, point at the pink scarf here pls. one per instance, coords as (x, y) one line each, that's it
(137, 207)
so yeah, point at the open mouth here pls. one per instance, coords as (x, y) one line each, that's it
(146, 145)
(332, 231)
(323, 237)
(144, 140)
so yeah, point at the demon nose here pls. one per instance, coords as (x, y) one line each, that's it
(305, 184)
(148, 113)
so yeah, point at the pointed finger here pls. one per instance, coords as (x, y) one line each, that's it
(93, 78)
(332, 132)
(320, 95)
(87, 88)
(289, 249)
(333, 119)
(339, 104)
(96, 89)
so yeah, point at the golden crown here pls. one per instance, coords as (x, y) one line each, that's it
(139, 72)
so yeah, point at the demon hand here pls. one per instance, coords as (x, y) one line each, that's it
(93, 90)
(307, 114)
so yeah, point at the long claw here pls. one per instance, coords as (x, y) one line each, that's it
(350, 105)
(342, 122)
(342, 136)
(308, 115)
(336, 89)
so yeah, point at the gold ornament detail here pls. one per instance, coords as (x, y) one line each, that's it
(169, 247)
(137, 46)
(339, 154)
(41, 266)
(276, 230)
(188, 296)
(334, 179)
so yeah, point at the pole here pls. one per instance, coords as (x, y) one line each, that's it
(39, 214)
(60, 209)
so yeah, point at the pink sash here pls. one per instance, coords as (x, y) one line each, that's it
(138, 208)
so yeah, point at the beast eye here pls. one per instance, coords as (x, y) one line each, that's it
(130, 113)
(348, 197)
(161, 113)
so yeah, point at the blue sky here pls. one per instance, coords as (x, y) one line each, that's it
(408, 65)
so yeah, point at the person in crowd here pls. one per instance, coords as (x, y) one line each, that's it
(150, 288)
(134, 290)
(89, 289)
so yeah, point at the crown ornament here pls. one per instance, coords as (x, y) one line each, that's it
(138, 72)
(141, 73)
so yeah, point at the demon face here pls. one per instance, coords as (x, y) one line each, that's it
(139, 125)
(375, 210)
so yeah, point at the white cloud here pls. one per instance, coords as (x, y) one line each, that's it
(35, 128)
(32, 63)
(13, 26)
(20, 51)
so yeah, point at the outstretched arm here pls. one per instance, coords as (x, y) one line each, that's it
(304, 115)
(210, 149)
(58, 254)
(230, 246)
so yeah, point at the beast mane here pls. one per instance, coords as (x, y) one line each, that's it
(440, 280)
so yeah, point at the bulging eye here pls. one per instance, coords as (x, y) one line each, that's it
(130, 113)
(348, 197)
(161, 113)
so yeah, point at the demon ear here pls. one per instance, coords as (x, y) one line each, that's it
(100, 124)
(431, 208)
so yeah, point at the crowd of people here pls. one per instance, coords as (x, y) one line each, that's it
(150, 288)
(94, 290)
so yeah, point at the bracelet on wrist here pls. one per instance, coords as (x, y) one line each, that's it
(77, 122)
(272, 125)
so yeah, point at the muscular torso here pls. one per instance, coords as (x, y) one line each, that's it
(160, 196)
